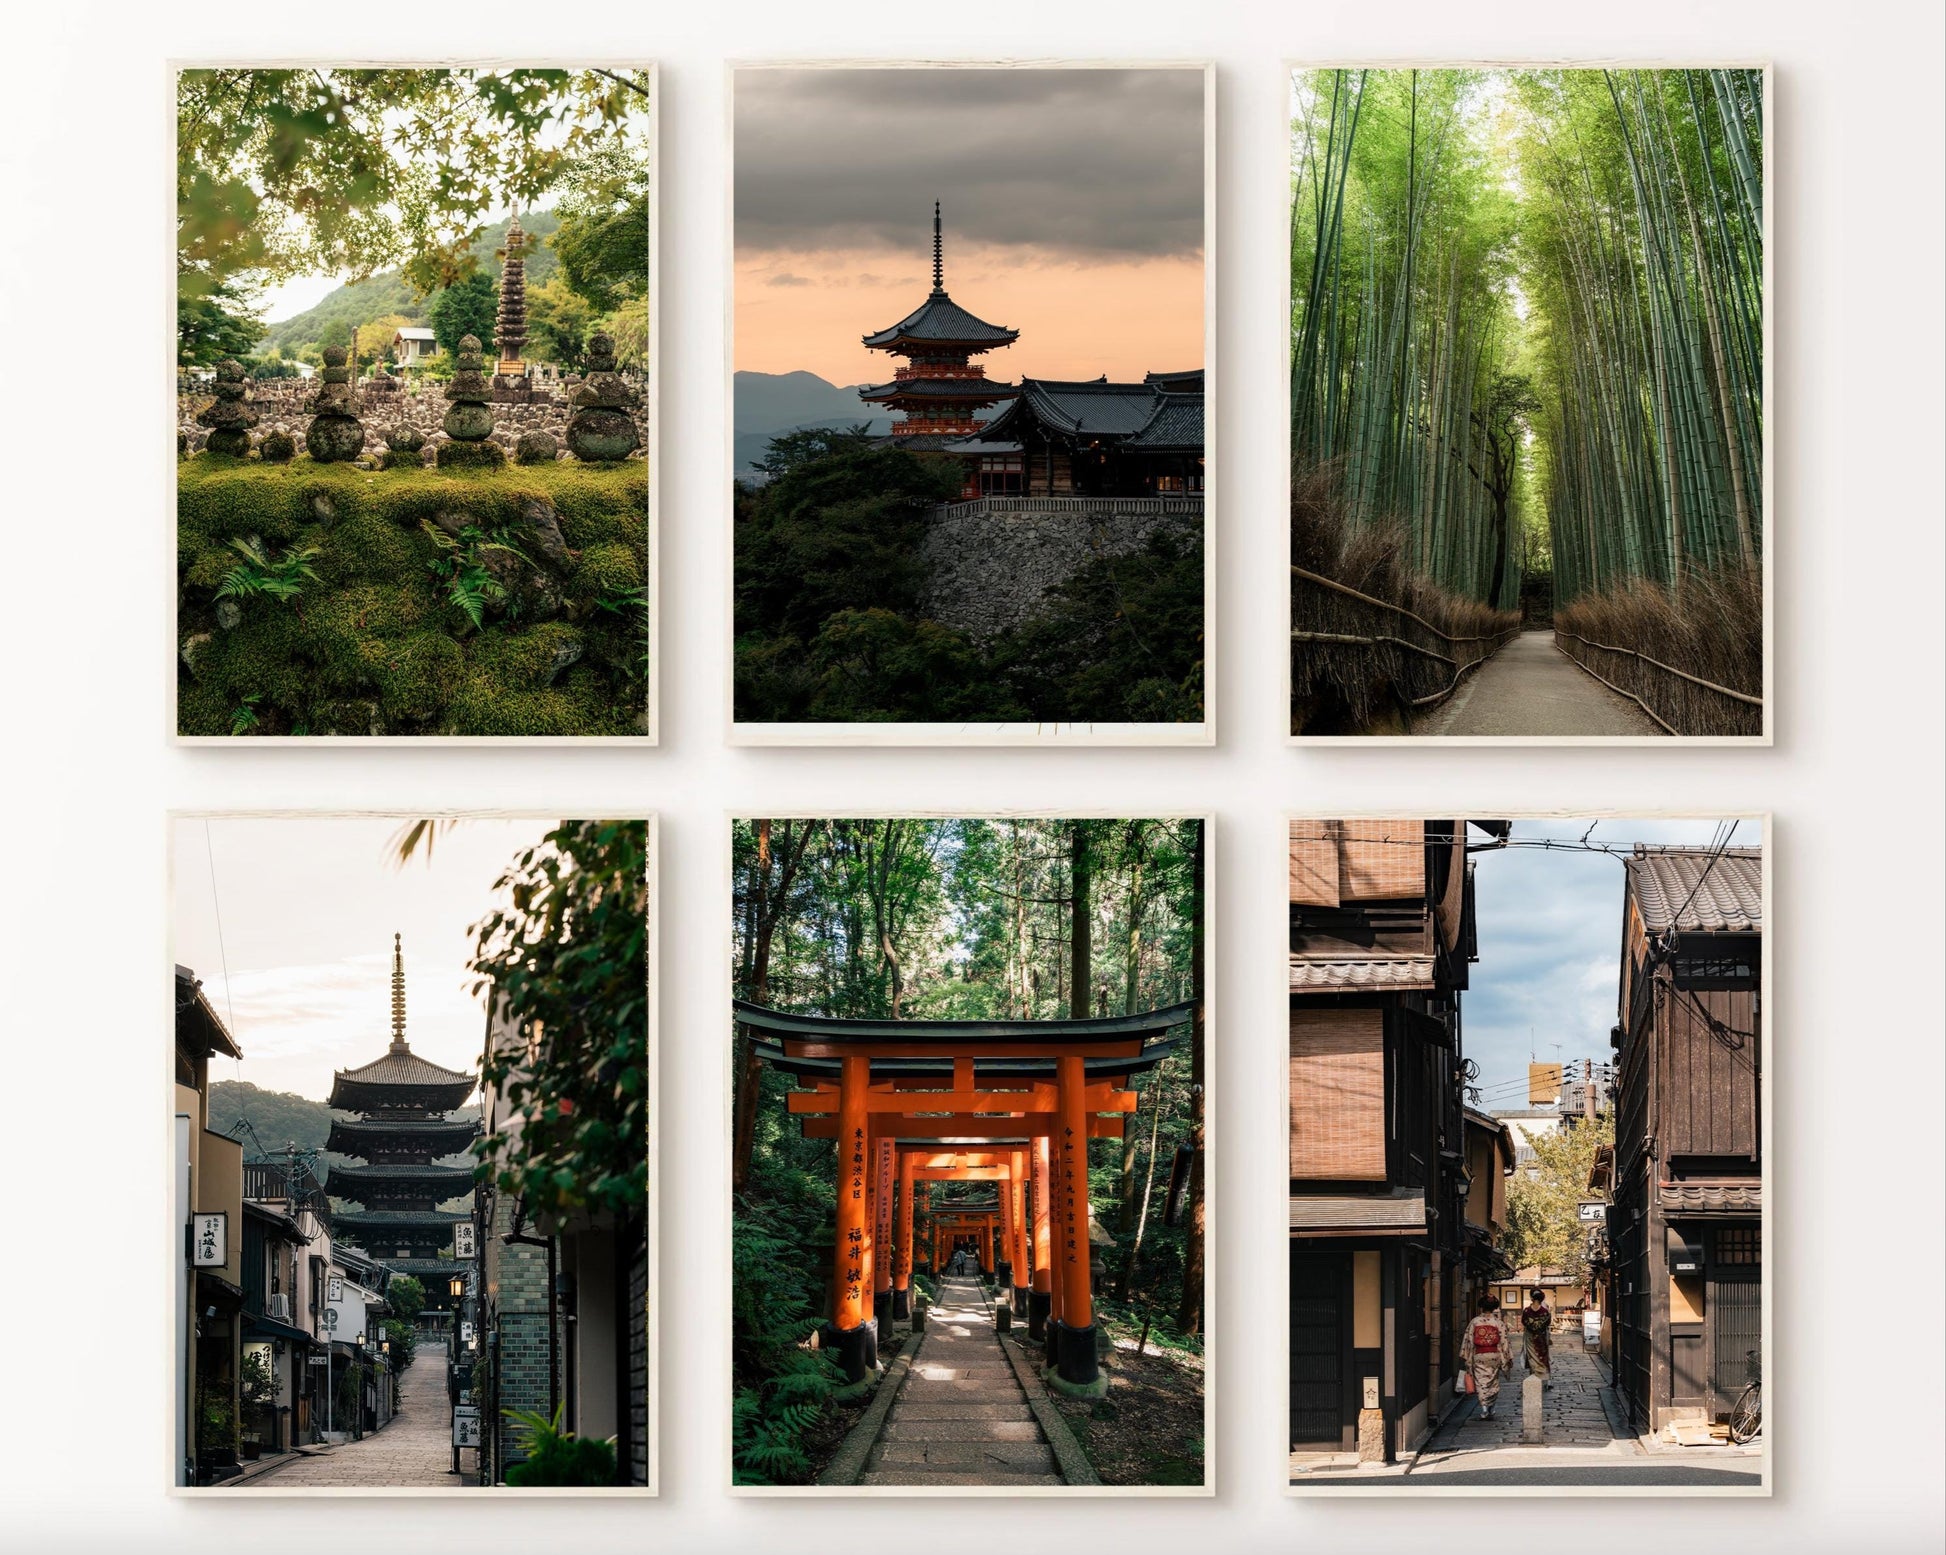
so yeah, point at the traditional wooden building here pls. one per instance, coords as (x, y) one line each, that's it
(1381, 1258)
(1685, 1225)
(941, 390)
(403, 1132)
(1092, 439)
(208, 1287)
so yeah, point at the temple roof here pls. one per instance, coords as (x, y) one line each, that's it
(979, 390)
(986, 1071)
(345, 1180)
(443, 1136)
(400, 1077)
(941, 321)
(996, 1033)
(1165, 410)
(399, 1219)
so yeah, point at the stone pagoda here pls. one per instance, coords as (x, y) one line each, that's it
(469, 416)
(602, 429)
(229, 416)
(402, 1131)
(940, 391)
(335, 434)
(510, 327)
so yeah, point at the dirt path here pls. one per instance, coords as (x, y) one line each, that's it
(1531, 688)
(962, 1417)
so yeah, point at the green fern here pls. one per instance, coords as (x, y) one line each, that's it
(244, 718)
(461, 566)
(259, 573)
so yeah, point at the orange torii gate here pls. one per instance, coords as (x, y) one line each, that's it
(1034, 1092)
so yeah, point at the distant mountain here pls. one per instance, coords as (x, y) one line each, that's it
(387, 293)
(770, 404)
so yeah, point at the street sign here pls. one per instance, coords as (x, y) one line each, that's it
(209, 1239)
(335, 1288)
(465, 1333)
(466, 1426)
(463, 1244)
(330, 1317)
(1592, 1209)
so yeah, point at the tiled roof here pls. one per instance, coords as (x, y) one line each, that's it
(1375, 972)
(1680, 889)
(1403, 1209)
(981, 390)
(1177, 422)
(405, 1069)
(1692, 1198)
(1098, 407)
(379, 1219)
(940, 319)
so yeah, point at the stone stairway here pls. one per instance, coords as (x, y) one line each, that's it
(962, 1417)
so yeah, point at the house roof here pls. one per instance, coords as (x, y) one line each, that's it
(1308, 976)
(941, 321)
(412, 332)
(1695, 890)
(196, 1017)
(1745, 1197)
(1397, 1213)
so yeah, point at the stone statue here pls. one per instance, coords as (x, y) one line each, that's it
(335, 435)
(601, 430)
(469, 418)
(229, 416)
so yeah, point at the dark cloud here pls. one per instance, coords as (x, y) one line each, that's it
(787, 279)
(1093, 162)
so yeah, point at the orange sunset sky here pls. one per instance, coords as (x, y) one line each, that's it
(1073, 207)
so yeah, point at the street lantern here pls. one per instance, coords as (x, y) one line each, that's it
(456, 1286)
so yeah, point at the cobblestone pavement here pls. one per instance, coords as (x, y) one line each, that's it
(414, 1451)
(962, 1417)
(1572, 1414)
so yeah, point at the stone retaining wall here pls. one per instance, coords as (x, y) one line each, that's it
(991, 571)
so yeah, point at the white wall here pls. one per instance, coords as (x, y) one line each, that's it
(1855, 777)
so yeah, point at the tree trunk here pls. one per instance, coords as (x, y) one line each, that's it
(1148, 1192)
(1081, 974)
(1189, 1314)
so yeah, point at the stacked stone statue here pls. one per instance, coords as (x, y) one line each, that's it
(229, 416)
(469, 418)
(404, 444)
(336, 434)
(601, 430)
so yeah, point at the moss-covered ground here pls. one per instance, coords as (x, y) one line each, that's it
(375, 645)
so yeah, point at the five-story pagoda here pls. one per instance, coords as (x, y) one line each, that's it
(941, 390)
(402, 1128)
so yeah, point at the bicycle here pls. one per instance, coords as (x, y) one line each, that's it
(1747, 1418)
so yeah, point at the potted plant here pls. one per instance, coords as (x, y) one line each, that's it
(556, 1457)
(216, 1440)
(257, 1388)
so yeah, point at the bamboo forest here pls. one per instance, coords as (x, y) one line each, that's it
(966, 1152)
(1527, 402)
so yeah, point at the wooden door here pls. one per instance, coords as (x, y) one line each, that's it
(1320, 1349)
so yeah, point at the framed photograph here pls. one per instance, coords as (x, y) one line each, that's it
(1530, 358)
(1529, 1080)
(971, 459)
(415, 400)
(969, 1180)
(391, 1033)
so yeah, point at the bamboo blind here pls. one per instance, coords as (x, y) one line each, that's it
(1337, 1076)
(1452, 903)
(1314, 863)
(1378, 860)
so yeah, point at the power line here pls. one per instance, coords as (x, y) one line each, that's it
(216, 902)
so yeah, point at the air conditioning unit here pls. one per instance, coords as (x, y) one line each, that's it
(278, 1307)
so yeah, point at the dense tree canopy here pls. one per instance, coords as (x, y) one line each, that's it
(321, 171)
(954, 919)
(1532, 300)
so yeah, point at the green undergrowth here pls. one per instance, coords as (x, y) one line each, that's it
(381, 638)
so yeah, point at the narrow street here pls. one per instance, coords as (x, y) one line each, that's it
(1585, 1442)
(1531, 688)
(414, 1451)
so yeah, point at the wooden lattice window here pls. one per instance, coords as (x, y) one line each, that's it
(1739, 1245)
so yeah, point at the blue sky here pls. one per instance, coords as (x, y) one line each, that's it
(1550, 928)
